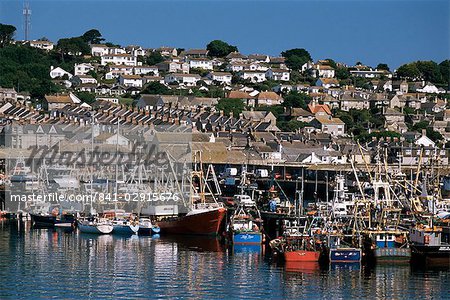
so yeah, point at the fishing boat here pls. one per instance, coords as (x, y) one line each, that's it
(243, 228)
(427, 244)
(55, 218)
(147, 228)
(205, 215)
(297, 243)
(95, 226)
(387, 246)
(342, 253)
(203, 219)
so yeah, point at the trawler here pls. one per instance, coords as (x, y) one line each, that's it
(205, 215)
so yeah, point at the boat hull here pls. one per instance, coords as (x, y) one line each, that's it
(247, 238)
(95, 229)
(427, 253)
(125, 229)
(39, 220)
(346, 255)
(392, 254)
(301, 255)
(204, 223)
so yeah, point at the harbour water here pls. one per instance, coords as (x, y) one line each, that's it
(61, 264)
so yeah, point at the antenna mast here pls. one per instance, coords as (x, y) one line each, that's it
(27, 19)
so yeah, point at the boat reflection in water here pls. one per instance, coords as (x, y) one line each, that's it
(194, 243)
(302, 267)
(353, 266)
(247, 249)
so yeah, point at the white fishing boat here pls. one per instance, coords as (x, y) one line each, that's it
(146, 227)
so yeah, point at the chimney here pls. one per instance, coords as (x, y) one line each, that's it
(424, 132)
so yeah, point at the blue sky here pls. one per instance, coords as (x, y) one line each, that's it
(394, 32)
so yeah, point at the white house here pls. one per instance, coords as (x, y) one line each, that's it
(173, 67)
(83, 69)
(324, 71)
(186, 79)
(278, 74)
(222, 77)
(119, 59)
(108, 99)
(58, 72)
(429, 88)
(114, 71)
(83, 79)
(424, 141)
(131, 80)
(201, 63)
(370, 73)
(254, 76)
(99, 50)
(44, 45)
(138, 70)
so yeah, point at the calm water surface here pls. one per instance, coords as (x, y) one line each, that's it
(53, 263)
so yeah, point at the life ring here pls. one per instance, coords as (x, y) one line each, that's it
(427, 239)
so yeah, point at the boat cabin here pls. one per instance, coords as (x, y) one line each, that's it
(426, 236)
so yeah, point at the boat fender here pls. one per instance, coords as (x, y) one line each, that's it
(427, 239)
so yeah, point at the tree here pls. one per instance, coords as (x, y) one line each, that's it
(156, 88)
(296, 58)
(154, 58)
(228, 105)
(382, 66)
(429, 71)
(408, 71)
(291, 125)
(342, 73)
(72, 46)
(444, 68)
(296, 99)
(93, 36)
(6, 34)
(86, 97)
(218, 48)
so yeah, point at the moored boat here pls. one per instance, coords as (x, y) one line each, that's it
(125, 227)
(95, 226)
(428, 246)
(243, 228)
(147, 228)
(202, 220)
(345, 255)
(387, 246)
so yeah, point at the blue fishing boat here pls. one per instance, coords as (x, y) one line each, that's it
(247, 238)
(345, 255)
(244, 229)
(341, 252)
(125, 227)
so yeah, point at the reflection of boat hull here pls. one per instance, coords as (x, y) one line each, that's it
(302, 255)
(345, 255)
(125, 229)
(96, 229)
(204, 223)
(303, 266)
(247, 238)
